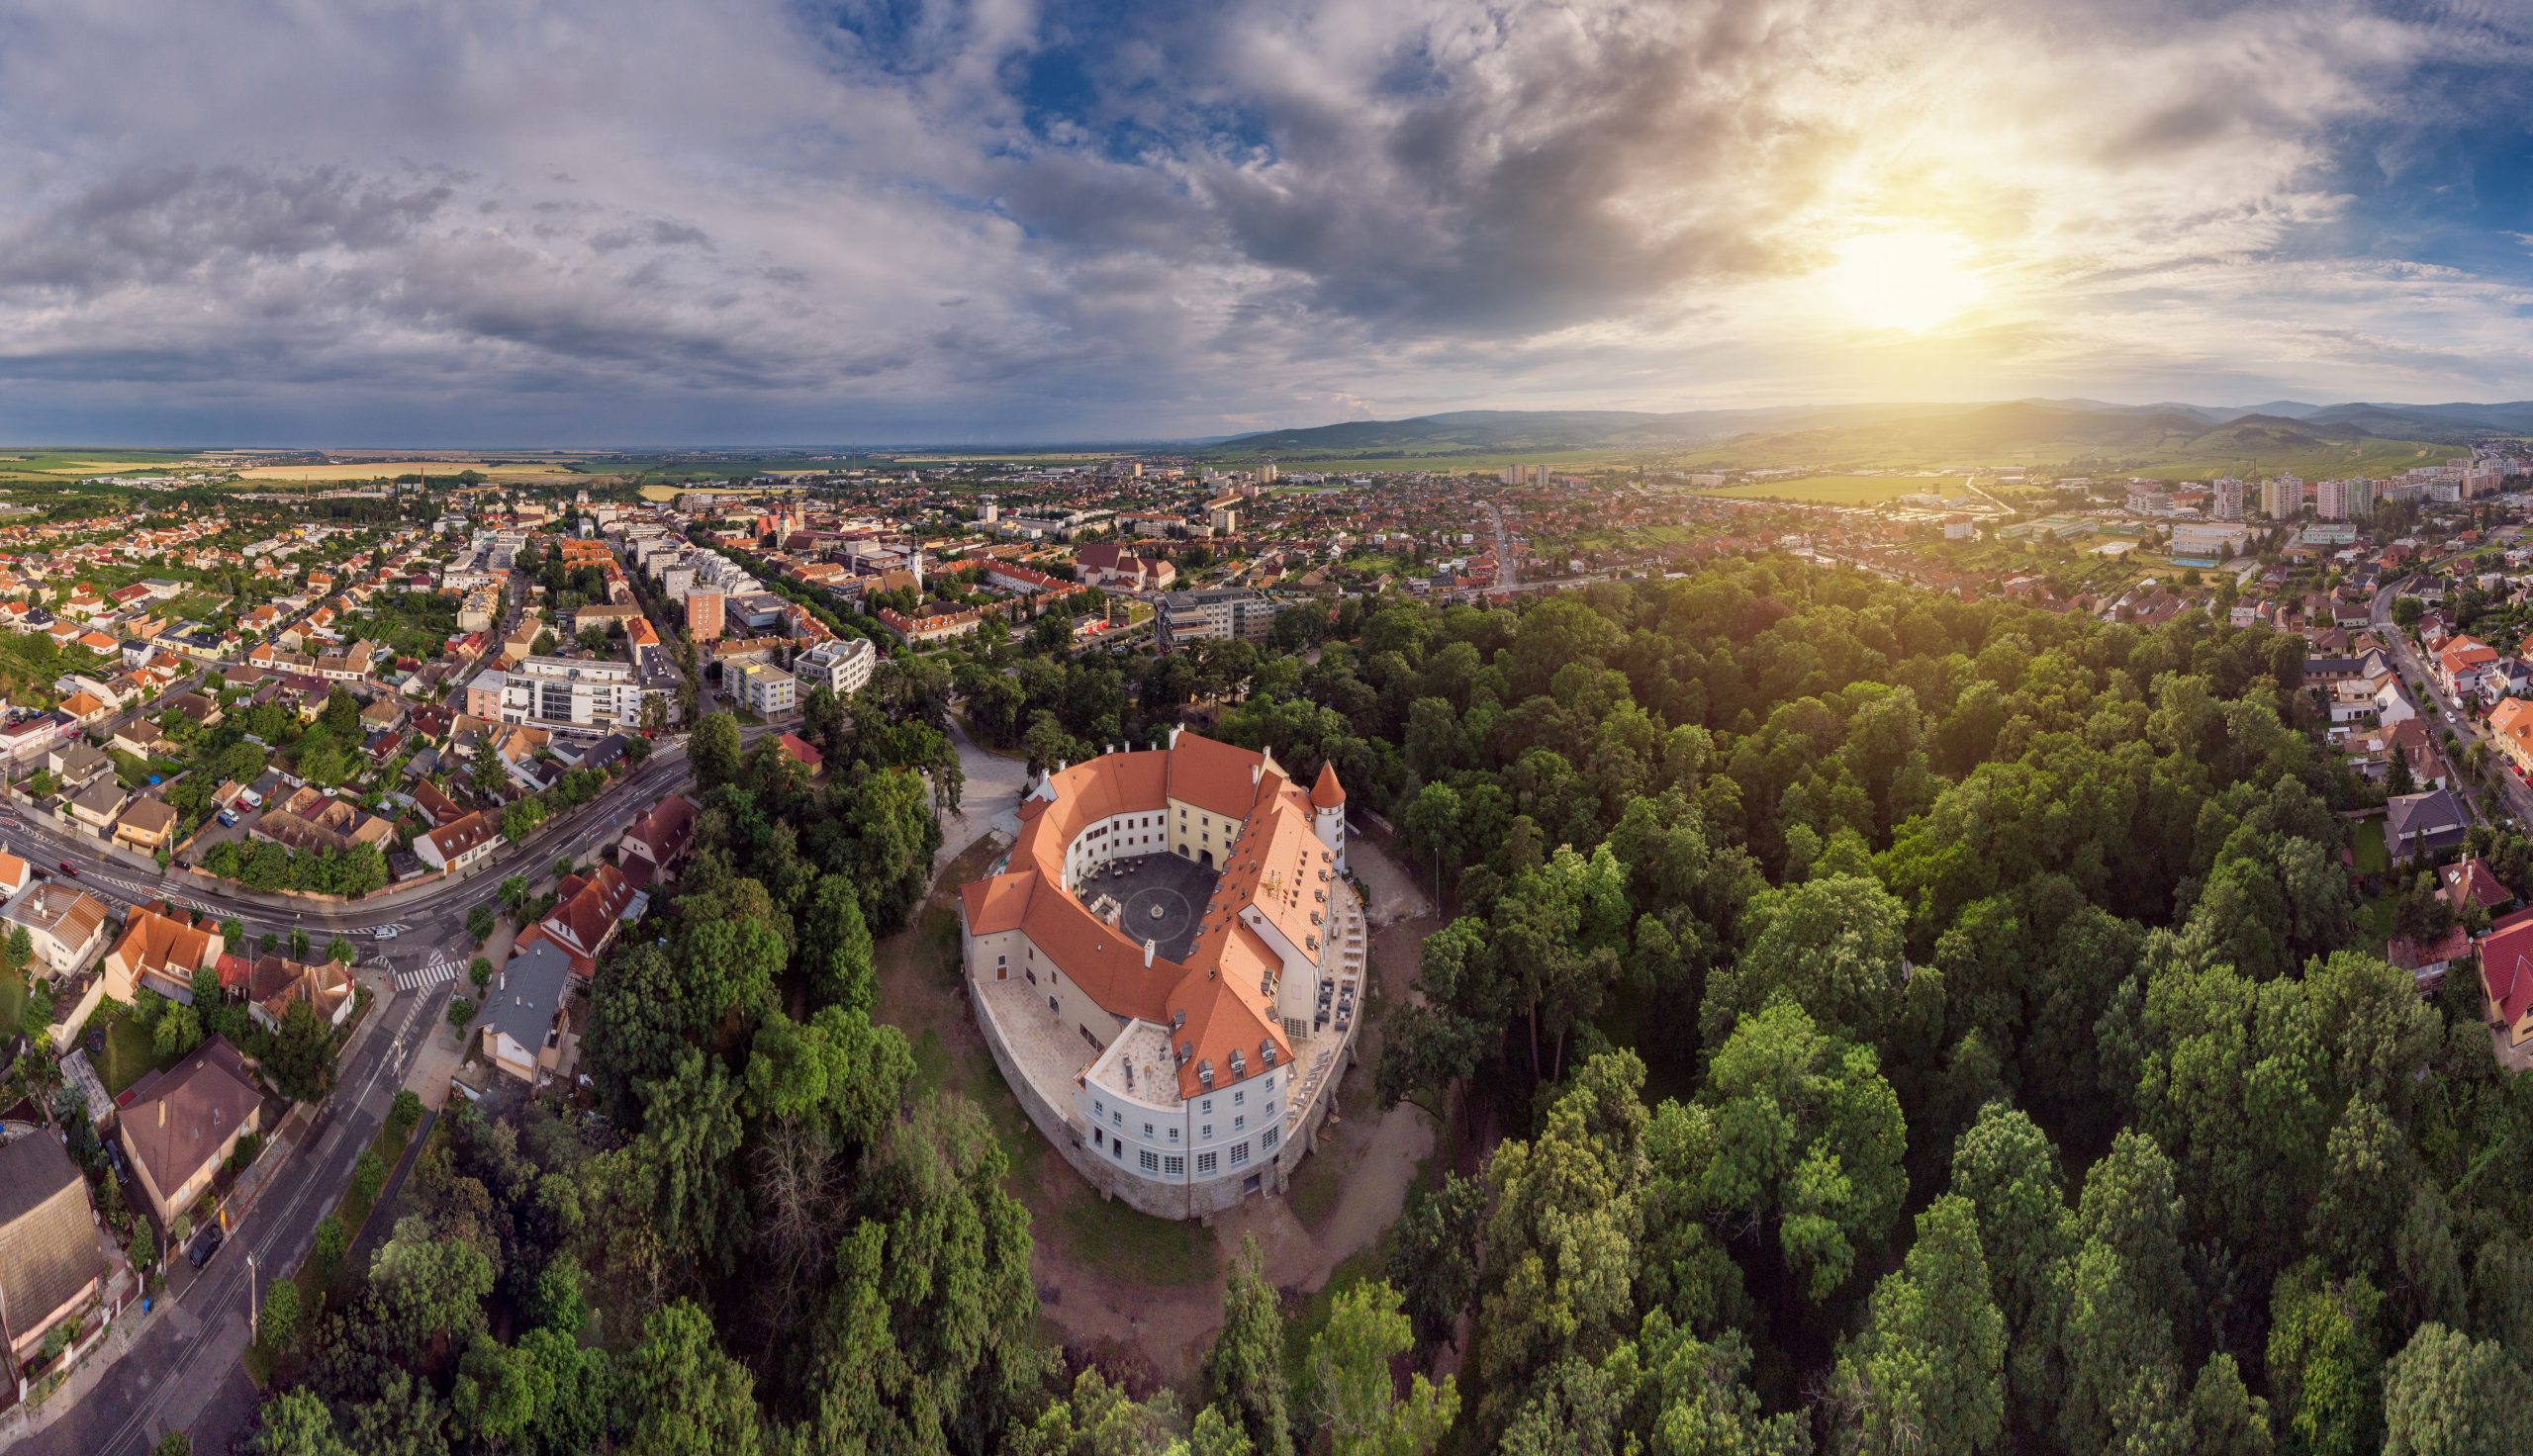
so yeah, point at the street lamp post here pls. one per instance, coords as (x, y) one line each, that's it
(251, 1310)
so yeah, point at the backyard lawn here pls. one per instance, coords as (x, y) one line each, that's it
(13, 1002)
(2369, 849)
(129, 1054)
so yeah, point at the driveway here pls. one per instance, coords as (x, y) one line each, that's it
(989, 801)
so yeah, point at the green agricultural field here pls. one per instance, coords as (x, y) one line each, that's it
(2370, 457)
(68, 463)
(1848, 489)
(1442, 462)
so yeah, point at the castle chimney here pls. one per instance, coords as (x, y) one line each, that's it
(1148, 949)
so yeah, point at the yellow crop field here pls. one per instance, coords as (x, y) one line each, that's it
(101, 467)
(379, 470)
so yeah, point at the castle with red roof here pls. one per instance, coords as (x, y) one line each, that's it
(1180, 1056)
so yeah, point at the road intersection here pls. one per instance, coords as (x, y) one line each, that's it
(183, 1369)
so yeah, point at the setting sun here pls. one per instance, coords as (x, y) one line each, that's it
(1908, 280)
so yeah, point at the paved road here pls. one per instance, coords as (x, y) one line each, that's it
(1508, 571)
(185, 1367)
(2517, 796)
(187, 1362)
(431, 909)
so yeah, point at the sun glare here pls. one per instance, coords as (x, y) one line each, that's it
(1910, 280)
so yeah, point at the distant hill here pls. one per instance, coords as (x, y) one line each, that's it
(1502, 430)
(2031, 430)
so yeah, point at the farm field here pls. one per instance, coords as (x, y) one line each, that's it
(367, 469)
(671, 492)
(88, 462)
(1847, 489)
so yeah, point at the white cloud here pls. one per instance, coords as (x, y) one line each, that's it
(643, 218)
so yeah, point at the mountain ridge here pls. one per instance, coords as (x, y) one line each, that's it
(2031, 424)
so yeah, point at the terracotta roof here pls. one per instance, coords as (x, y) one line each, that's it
(2470, 882)
(2506, 969)
(154, 942)
(204, 1096)
(666, 827)
(1275, 870)
(459, 836)
(1327, 793)
(2464, 653)
(589, 909)
(274, 981)
(2512, 721)
(437, 806)
(68, 914)
(1213, 776)
(804, 751)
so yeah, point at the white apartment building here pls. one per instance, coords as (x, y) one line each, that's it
(842, 667)
(572, 693)
(767, 690)
(1223, 612)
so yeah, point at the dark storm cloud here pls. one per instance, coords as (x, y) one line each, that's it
(155, 223)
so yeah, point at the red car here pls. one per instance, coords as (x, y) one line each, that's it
(70, 869)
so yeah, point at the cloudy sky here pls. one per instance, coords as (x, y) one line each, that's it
(570, 221)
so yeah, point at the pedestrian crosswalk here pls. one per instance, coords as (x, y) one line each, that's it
(441, 969)
(143, 893)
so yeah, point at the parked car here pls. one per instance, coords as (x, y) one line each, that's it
(204, 1244)
(229, 818)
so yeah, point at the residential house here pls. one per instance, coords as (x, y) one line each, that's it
(66, 924)
(15, 874)
(655, 844)
(2460, 663)
(590, 909)
(462, 843)
(2507, 977)
(2392, 702)
(310, 819)
(148, 825)
(434, 805)
(2511, 730)
(524, 1034)
(51, 1266)
(2428, 960)
(180, 1125)
(802, 752)
(27, 740)
(197, 706)
(97, 806)
(141, 738)
(270, 983)
(162, 951)
(2423, 824)
(2469, 884)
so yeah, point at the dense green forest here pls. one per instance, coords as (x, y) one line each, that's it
(1869, 1021)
